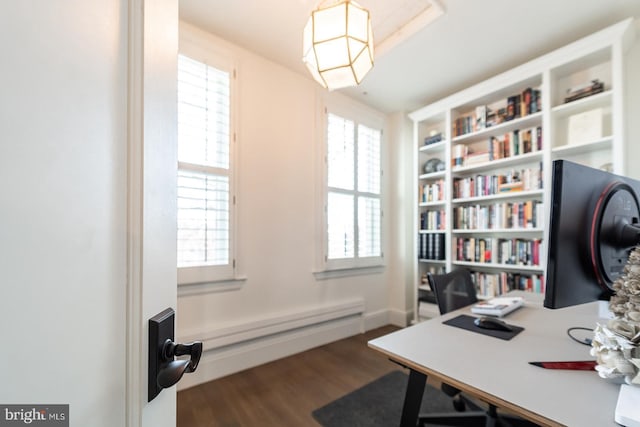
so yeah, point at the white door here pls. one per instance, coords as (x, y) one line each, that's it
(87, 204)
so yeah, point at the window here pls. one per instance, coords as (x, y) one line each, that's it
(353, 197)
(205, 184)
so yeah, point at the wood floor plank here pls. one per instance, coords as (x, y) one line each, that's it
(286, 391)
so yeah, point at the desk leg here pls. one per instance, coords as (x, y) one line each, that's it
(413, 399)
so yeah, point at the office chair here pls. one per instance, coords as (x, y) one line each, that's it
(456, 290)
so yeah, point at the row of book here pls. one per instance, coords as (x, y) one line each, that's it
(510, 144)
(520, 105)
(529, 101)
(432, 191)
(431, 246)
(490, 285)
(433, 220)
(527, 214)
(515, 143)
(583, 91)
(464, 125)
(525, 179)
(432, 139)
(493, 250)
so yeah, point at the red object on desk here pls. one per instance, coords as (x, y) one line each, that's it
(581, 365)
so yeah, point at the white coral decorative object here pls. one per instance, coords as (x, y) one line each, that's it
(616, 344)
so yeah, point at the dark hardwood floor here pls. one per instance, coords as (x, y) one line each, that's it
(285, 392)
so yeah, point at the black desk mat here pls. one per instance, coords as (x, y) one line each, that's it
(466, 322)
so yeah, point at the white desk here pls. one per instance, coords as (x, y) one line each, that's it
(498, 372)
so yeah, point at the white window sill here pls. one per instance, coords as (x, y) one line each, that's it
(233, 284)
(347, 272)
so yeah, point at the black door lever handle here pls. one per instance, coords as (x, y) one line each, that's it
(193, 350)
(172, 370)
(164, 369)
(171, 373)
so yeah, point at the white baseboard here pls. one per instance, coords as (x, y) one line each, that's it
(235, 347)
(400, 318)
(240, 332)
(375, 320)
(227, 360)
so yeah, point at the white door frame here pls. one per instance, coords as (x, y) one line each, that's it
(135, 125)
(151, 198)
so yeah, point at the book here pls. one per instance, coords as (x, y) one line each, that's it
(582, 91)
(477, 158)
(432, 139)
(500, 306)
(511, 186)
(481, 117)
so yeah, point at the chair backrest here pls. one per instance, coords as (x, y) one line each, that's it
(453, 290)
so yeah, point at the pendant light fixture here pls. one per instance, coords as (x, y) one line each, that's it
(338, 44)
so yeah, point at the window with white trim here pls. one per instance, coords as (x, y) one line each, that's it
(353, 226)
(205, 172)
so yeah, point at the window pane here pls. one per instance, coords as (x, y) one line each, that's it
(369, 227)
(203, 114)
(340, 152)
(340, 226)
(203, 219)
(368, 160)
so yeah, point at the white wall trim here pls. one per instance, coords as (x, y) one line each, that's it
(400, 318)
(237, 347)
(135, 123)
(241, 332)
(231, 359)
(375, 319)
(211, 287)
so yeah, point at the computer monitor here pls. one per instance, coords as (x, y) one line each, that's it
(594, 224)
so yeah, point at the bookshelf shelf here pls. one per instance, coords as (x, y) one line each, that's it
(594, 101)
(432, 148)
(585, 147)
(433, 175)
(432, 261)
(521, 122)
(500, 196)
(497, 231)
(508, 130)
(437, 204)
(502, 267)
(499, 163)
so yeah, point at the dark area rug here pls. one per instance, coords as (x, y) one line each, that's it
(378, 403)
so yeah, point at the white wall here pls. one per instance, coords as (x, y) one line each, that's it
(401, 292)
(632, 106)
(63, 216)
(282, 307)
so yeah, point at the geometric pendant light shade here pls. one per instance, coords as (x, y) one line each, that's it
(338, 44)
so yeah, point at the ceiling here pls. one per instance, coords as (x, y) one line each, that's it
(471, 41)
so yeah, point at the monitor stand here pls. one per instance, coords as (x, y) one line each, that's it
(627, 407)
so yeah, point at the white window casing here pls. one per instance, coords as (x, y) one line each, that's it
(353, 197)
(206, 198)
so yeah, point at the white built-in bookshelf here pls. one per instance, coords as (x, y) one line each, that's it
(485, 206)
